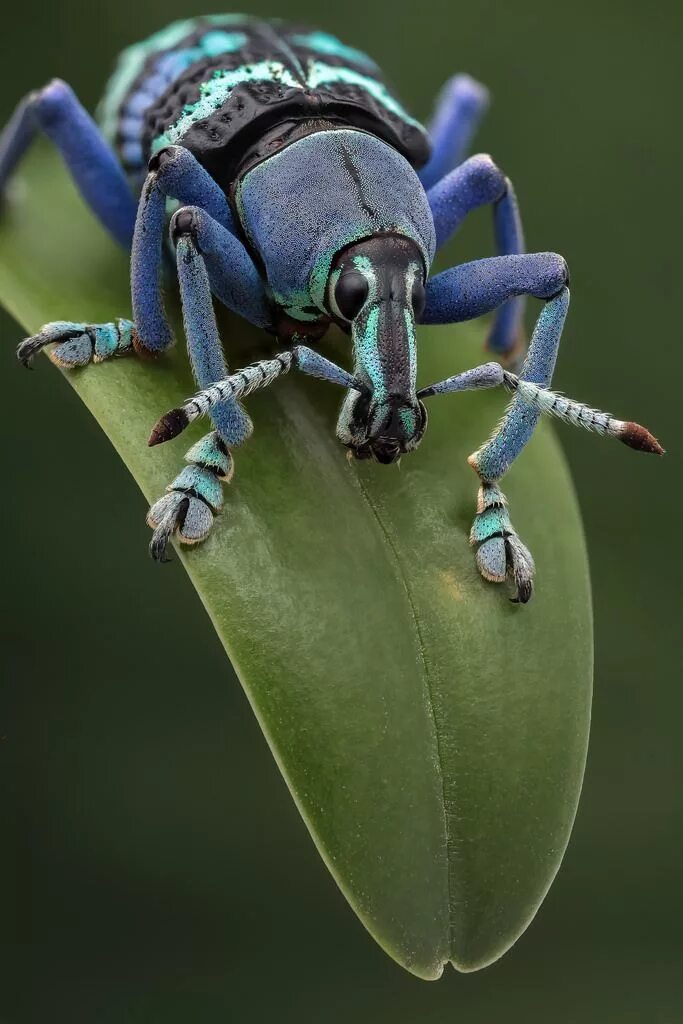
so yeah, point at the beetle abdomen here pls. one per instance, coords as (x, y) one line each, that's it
(214, 84)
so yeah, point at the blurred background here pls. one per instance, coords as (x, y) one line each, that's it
(154, 867)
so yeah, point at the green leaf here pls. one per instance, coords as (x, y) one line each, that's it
(432, 734)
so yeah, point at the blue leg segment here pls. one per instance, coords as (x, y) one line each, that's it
(56, 111)
(460, 107)
(493, 460)
(460, 294)
(506, 339)
(77, 344)
(233, 275)
(472, 289)
(203, 340)
(500, 551)
(478, 182)
(174, 174)
(195, 495)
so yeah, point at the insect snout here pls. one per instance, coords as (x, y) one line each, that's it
(388, 428)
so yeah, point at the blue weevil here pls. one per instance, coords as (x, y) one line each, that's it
(304, 195)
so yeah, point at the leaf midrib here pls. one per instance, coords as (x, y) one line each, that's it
(427, 686)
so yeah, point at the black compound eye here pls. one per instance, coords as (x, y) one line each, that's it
(418, 298)
(350, 293)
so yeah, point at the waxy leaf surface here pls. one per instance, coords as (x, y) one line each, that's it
(432, 733)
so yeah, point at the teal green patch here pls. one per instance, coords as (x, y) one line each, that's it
(215, 92)
(366, 351)
(408, 421)
(489, 523)
(132, 62)
(321, 268)
(322, 42)
(409, 322)
(325, 74)
(209, 452)
(215, 43)
(205, 483)
(106, 341)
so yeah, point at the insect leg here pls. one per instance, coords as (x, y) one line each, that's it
(195, 495)
(233, 275)
(478, 288)
(460, 107)
(77, 344)
(472, 289)
(174, 173)
(56, 111)
(479, 182)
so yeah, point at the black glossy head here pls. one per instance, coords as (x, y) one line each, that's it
(376, 289)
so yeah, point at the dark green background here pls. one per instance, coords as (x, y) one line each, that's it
(154, 867)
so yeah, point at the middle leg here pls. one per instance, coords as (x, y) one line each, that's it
(479, 182)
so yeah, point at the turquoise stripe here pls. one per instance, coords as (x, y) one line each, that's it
(325, 74)
(132, 61)
(323, 42)
(216, 92)
(368, 357)
(218, 89)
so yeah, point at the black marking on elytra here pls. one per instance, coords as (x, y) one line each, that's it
(221, 140)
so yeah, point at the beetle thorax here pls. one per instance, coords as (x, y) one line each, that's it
(302, 206)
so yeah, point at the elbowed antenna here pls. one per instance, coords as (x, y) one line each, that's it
(551, 403)
(580, 415)
(242, 383)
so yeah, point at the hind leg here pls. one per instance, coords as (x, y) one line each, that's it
(460, 107)
(56, 111)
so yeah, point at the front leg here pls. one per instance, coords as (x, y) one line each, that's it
(56, 111)
(187, 510)
(195, 496)
(500, 552)
(463, 293)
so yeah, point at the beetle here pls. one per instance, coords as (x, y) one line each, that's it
(305, 195)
